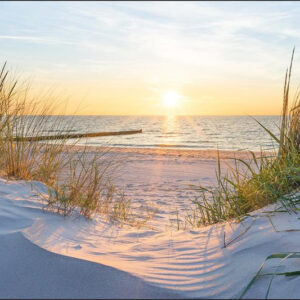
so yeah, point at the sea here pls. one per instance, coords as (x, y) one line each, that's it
(180, 132)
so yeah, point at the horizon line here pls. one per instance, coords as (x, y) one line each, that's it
(115, 115)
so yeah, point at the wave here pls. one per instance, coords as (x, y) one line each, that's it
(155, 146)
(222, 132)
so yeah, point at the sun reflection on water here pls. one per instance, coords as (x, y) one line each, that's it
(170, 130)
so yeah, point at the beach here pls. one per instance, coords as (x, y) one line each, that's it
(46, 255)
(149, 150)
(164, 178)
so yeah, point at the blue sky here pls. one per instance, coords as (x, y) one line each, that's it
(202, 50)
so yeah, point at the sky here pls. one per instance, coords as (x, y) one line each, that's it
(155, 58)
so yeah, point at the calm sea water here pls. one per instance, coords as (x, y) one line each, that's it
(180, 132)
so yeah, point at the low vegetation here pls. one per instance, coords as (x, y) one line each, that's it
(77, 181)
(282, 257)
(259, 181)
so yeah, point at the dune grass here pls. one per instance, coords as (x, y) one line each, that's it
(283, 257)
(85, 186)
(22, 116)
(261, 180)
(77, 181)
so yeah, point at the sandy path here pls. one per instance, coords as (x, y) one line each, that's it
(163, 177)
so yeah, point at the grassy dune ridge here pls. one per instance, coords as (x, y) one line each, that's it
(262, 180)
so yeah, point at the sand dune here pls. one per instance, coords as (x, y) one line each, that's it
(158, 263)
(28, 271)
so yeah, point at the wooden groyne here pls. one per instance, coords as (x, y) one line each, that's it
(75, 136)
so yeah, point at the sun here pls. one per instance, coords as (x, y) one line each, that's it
(171, 99)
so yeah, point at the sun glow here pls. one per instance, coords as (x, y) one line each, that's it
(171, 99)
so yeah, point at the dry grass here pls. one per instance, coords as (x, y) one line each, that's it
(86, 186)
(22, 116)
(77, 181)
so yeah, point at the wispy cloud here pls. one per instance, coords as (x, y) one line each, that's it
(158, 43)
(34, 39)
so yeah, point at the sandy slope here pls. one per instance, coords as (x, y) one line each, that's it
(193, 263)
(29, 271)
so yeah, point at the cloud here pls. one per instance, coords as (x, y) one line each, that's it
(34, 39)
(195, 40)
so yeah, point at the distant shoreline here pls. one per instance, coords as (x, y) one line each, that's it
(199, 153)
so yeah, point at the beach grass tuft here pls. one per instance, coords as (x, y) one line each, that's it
(258, 181)
(283, 257)
(77, 180)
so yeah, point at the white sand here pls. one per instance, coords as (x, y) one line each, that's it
(157, 263)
